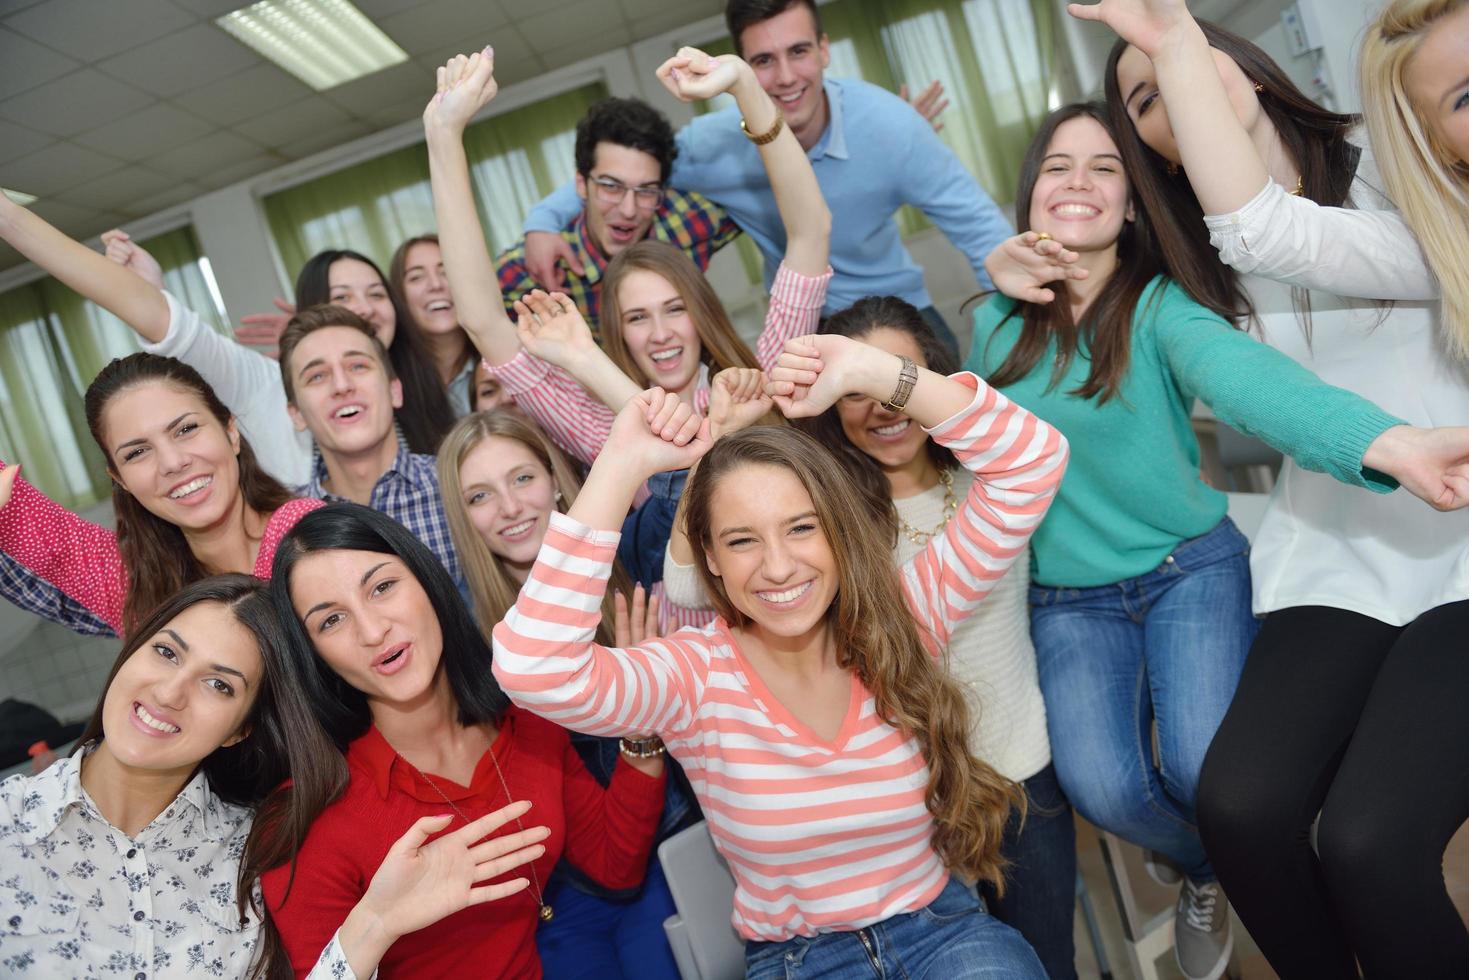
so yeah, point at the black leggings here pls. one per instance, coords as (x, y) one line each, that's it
(1368, 725)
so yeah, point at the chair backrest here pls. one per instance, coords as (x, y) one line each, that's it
(703, 892)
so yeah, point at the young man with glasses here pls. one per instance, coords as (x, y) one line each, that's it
(624, 154)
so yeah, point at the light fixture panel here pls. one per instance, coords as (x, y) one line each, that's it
(325, 43)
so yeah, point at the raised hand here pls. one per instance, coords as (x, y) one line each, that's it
(1431, 464)
(929, 103)
(265, 329)
(813, 372)
(656, 432)
(1022, 265)
(1145, 24)
(420, 883)
(552, 328)
(120, 248)
(692, 75)
(631, 628)
(466, 84)
(8, 473)
(737, 400)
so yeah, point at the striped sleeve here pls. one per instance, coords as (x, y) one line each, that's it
(1017, 460)
(78, 557)
(570, 415)
(546, 658)
(794, 311)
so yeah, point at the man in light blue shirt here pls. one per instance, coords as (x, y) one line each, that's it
(872, 153)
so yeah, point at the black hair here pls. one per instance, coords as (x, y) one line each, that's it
(626, 122)
(742, 14)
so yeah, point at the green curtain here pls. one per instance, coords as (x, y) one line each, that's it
(515, 158)
(52, 343)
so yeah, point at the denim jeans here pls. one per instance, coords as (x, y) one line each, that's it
(597, 937)
(952, 938)
(1040, 892)
(1165, 647)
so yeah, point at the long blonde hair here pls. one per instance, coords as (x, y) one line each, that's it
(491, 586)
(1422, 177)
(722, 346)
(876, 638)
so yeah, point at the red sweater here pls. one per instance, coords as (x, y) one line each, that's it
(606, 833)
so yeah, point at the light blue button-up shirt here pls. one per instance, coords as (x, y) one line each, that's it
(876, 154)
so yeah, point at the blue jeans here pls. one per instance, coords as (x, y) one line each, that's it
(591, 936)
(952, 938)
(1165, 647)
(1040, 886)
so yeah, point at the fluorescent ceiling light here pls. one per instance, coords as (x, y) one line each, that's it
(322, 42)
(22, 199)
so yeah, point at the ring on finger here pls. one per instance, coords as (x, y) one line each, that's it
(1042, 236)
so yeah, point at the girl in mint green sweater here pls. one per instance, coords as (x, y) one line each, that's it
(1140, 607)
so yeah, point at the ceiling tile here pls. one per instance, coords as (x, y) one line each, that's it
(393, 115)
(240, 169)
(582, 22)
(181, 191)
(599, 43)
(387, 87)
(56, 168)
(9, 257)
(193, 161)
(143, 134)
(327, 139)
(210, 9)
(17, 141)
(511, 53)
(430, 25)
(691, 9)
(660, 21)
(245, 95)
(93, 29)
(82, 100)
(181, 61)
(68, 217)
(24, 64)
(518, 10)
(378, 9)
(299, 121)
(114, 190)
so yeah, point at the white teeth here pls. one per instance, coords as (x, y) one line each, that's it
(664, 355)
(894, 429)
(790, 99)
(191, 486)
(1078, 209)
(439, 306)
(520, 528)
(789, 595)
(347, 411)
(152, 722)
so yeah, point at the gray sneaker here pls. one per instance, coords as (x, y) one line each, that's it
(1160, 868)
(1201, 937)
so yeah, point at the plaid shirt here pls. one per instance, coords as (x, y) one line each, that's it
(30, 592)
(690, 221)
(408, 493)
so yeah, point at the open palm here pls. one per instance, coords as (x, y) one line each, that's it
(1142, 23)
(551, 327)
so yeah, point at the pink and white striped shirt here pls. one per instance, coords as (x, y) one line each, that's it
(579, 423)
(820, 835)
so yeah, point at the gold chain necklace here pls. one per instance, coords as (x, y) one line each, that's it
(546, 911)
(951, 504)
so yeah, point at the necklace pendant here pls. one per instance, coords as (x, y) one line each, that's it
(546, 912)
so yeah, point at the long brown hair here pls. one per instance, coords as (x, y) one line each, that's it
(154, 552)
(877, 638)
(398, 279)
(491, 586)
(722, 346)
(1315, 138)
(1105, 330)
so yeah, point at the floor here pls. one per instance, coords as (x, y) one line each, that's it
(1249, 962)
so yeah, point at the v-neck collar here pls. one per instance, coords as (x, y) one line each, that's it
(779, 713)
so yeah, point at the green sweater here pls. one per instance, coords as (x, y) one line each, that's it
(1132, 490)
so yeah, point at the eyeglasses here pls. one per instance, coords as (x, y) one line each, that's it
(611, 191)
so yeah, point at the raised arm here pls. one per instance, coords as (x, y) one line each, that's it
(693, 75)
(137, 303)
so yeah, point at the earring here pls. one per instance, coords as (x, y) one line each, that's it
(1173, 169)
(558, 496)
(1259, 87)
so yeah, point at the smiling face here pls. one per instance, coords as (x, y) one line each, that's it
(168, 451)
(357, 286)
(1138, 83)
(509, 496)
(341, 391)
(426, 289)
(768, 548)
(371, 622)
(789, 57)
(891, 438)
(1080, 196)
(659, 332)
(614, 221)
(1437, 81)
(184, 693)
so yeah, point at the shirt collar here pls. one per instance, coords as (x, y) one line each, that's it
(833, 142)
(401, 466)
(592, 258)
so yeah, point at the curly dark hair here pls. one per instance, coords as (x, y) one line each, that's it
(627, 122)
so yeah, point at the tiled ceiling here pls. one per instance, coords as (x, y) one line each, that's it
(112, 110)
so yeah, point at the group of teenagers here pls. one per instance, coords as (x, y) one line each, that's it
(435, 627)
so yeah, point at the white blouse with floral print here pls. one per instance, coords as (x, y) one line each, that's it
(79, 898)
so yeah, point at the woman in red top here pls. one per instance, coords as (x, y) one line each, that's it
(385, 649)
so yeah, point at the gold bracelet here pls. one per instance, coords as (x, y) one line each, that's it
(641, 748)
(769, 134)
(907, 378)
